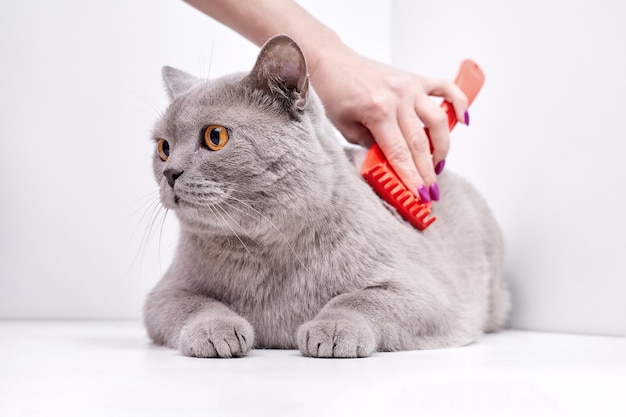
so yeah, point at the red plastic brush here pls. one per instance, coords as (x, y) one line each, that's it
(382, 178)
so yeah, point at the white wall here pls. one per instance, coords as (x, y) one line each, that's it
(546, 143)
(80, 235)
(81, 87)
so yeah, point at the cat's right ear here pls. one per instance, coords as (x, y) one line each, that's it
(177, 81)
(281, 71)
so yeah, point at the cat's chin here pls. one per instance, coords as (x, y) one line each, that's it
(199, 218)
(170, 203)
(174, 201)
(195, 221)
(216, 220)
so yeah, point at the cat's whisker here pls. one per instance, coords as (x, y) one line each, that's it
(235, 233)
(153, 106)
(235, 188)
(208, 75)
(237, 223)
(150, 212)
(239, 210)
(154, 210)
(275, 228)
(149, 201)
(221, 223)
(147, 196)
(160, 237)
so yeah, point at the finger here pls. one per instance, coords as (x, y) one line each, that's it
(451, 93)
(391, 141)
(436, 120)
(418, 143)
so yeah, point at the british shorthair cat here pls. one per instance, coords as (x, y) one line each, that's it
(283, 245)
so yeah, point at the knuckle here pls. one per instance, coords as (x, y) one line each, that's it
(462, 100)
(448, 85)
(419, 144)
(397, 154)
(437, 117)
(457, 96)
(379, 106)
(397, 84)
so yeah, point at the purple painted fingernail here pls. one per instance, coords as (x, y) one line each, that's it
(423, 193)
(434, 191)
(466, 118)
(439, 167)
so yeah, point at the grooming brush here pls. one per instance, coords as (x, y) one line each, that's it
(381, 176)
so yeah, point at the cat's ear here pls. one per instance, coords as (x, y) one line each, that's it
(177, 81)
(281, 71)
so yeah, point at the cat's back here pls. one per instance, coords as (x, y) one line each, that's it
(463, 215)
(465, 234)
(462, 208)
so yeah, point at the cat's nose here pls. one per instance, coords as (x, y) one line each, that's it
(171, 175)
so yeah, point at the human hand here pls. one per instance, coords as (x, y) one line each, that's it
(371, 102)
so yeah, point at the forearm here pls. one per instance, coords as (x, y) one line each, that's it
(259, 20)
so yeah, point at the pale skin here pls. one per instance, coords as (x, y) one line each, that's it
(366, 100)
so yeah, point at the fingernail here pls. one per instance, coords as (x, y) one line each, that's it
(434, 191)
(423, 193)
(466, 118)
(439, 167)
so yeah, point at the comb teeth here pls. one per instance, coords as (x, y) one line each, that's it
(381, 177)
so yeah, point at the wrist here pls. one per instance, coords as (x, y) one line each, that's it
(326, 57)
(321, 50)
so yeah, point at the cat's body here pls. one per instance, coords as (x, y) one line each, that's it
(282, 242)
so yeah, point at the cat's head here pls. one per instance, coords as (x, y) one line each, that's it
(233, 151)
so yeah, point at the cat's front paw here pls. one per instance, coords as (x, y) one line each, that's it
(216, 337)
(336, 338)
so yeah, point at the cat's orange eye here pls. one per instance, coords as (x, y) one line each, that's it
(216, 137)
(163, 148)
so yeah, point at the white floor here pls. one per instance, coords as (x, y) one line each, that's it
(111, 369)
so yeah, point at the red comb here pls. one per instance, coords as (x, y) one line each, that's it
(382, 178)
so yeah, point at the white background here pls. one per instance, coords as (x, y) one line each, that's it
(545, 143)
(80, 88)
(80, 82)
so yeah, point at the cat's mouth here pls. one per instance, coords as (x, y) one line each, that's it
(183, 200)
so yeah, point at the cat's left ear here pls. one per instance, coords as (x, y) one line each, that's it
(281, 71)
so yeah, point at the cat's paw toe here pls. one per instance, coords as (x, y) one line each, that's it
(340, 338)
(216, 337)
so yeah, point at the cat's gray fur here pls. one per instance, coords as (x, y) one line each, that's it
(283, 245)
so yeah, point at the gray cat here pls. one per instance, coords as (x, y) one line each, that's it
(283, 245)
